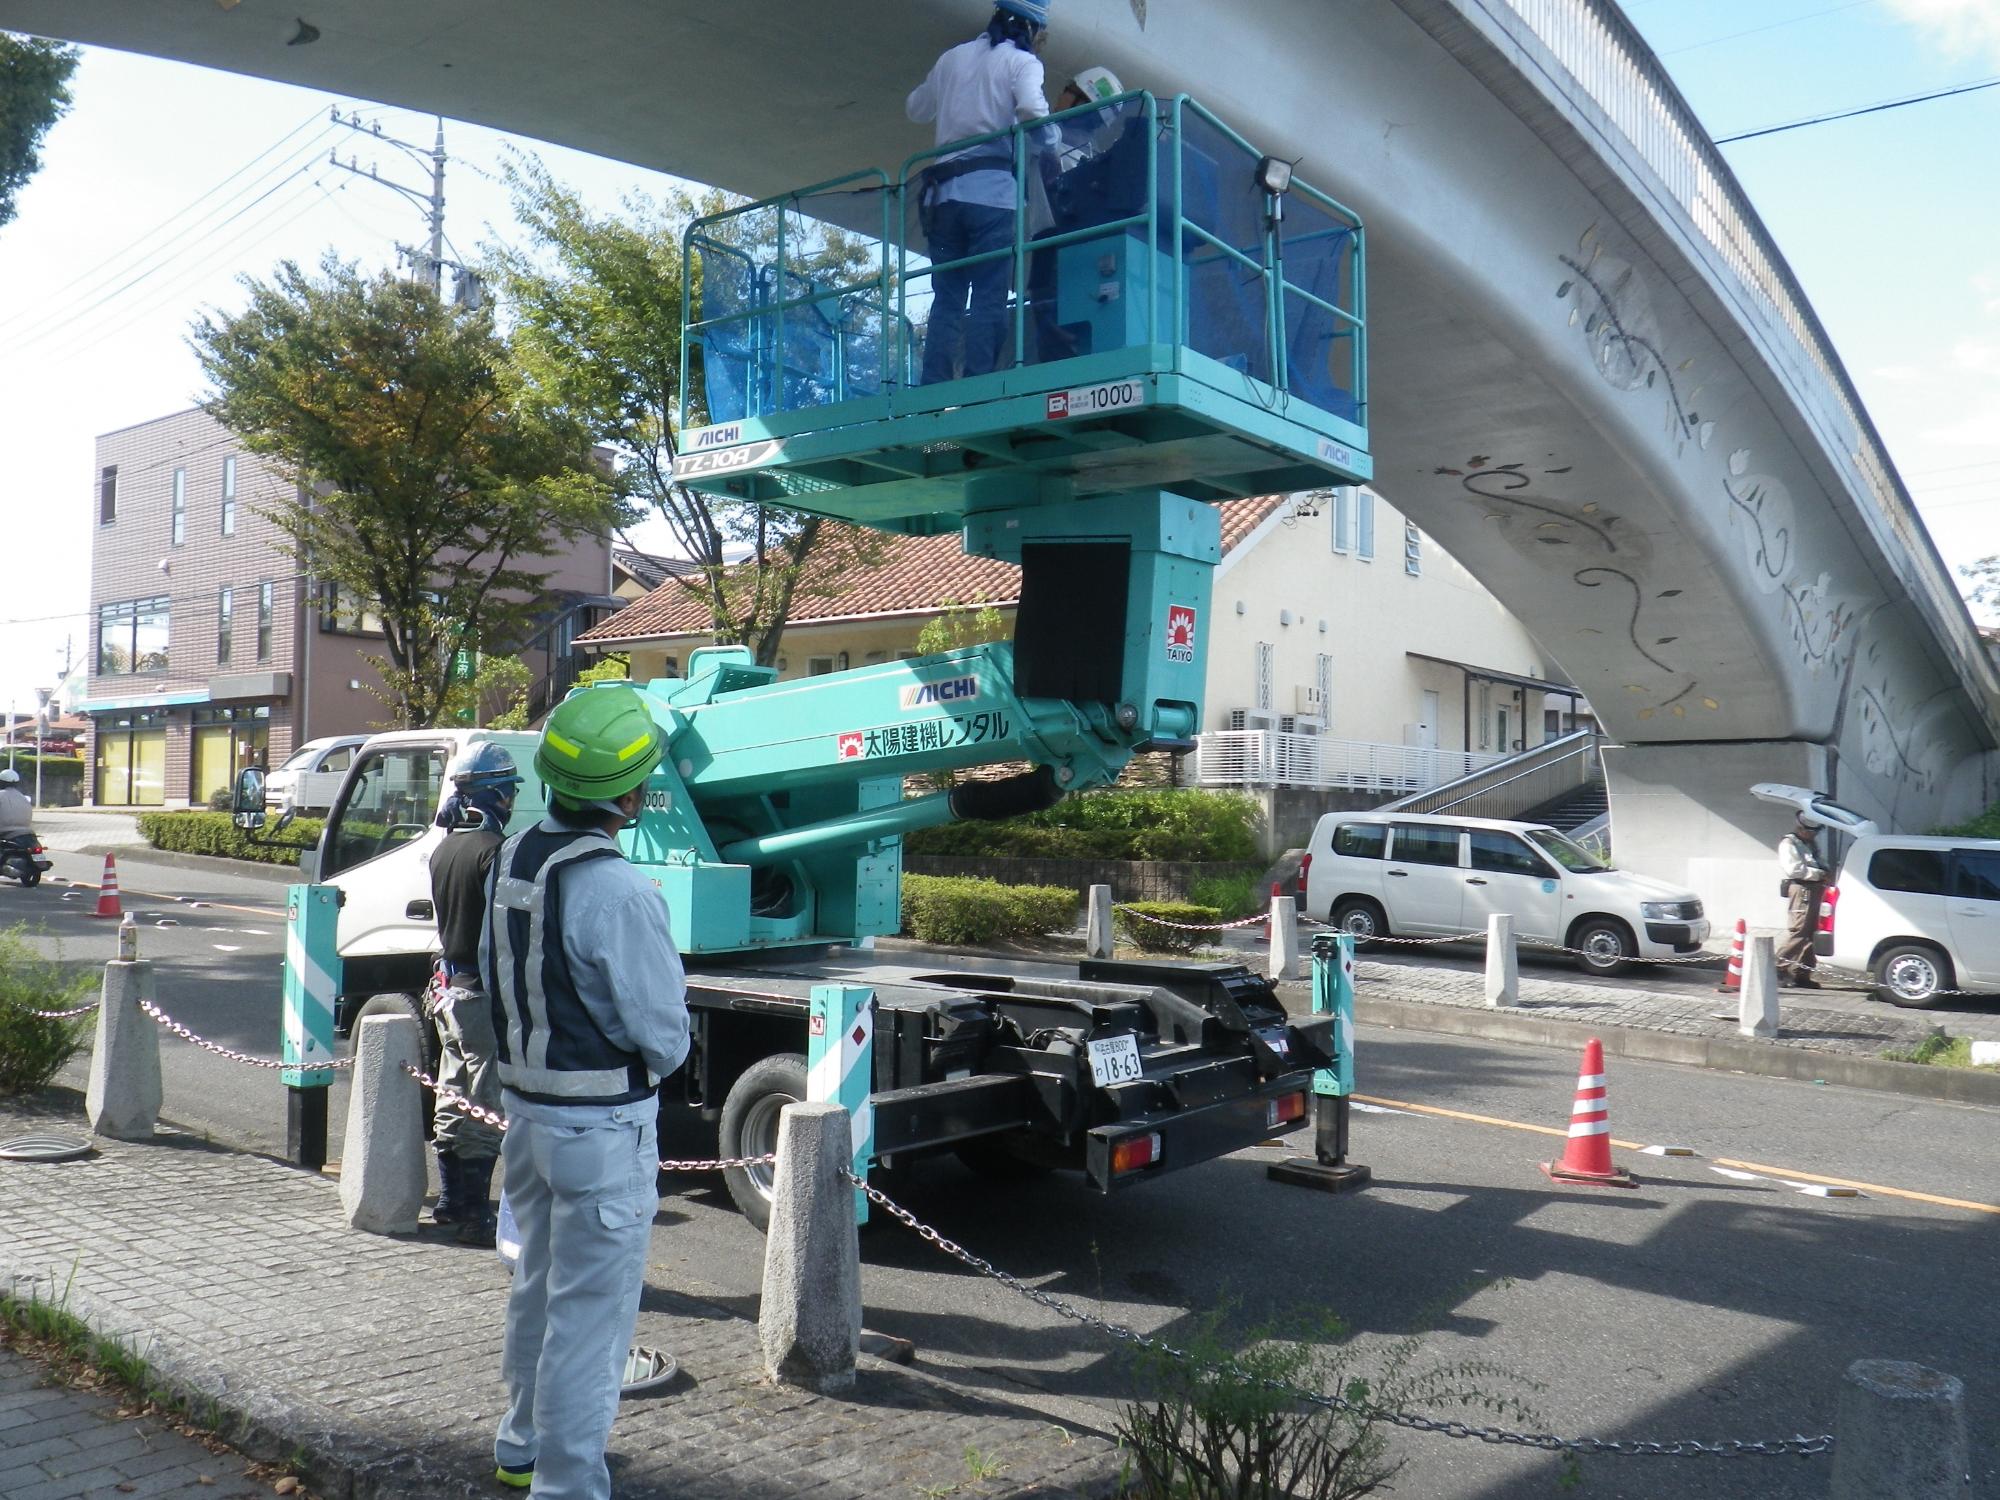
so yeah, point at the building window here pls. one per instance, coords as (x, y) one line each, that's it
(670, 666)
(1364, 525)
(1413, 550)
(107, 495)
(180, 522)
(819, 666)
(1343, 507)
(344, 612)
(226, 741)
(229, 495)
(264, 620)
(132, 637)
(225, 609)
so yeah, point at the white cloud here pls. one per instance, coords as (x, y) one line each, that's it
(1960, 27)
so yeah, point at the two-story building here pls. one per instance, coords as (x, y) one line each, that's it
(210, 650)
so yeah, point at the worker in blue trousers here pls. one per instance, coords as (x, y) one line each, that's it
(590, 1013)
(967, 202)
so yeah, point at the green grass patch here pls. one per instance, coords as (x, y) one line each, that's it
(34, 1048)
(1938, 1050)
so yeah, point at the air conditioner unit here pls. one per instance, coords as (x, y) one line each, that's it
(1301, 724)
(1241, 719)
(1311, 701)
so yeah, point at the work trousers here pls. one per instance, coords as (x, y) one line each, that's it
(465, 1064)
(968, 322)
(1796, 959)
(583, 1198)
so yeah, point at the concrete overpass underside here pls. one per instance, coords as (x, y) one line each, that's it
(1593, 380)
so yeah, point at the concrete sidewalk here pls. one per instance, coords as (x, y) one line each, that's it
(375, 1361)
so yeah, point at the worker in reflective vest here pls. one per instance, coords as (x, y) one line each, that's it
(590, 1013)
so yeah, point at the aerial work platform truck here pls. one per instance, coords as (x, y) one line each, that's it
(1184, 325)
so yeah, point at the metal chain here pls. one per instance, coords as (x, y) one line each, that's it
(453, 1099)
(1133, 911)
(229, 1052)
(1801, 1446)
(66, 1015)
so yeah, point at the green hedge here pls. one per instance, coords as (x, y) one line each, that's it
(944, 909)
(1150, 937)
(54, 767)
(1180, 823)
(1985, 826)
(214, 833)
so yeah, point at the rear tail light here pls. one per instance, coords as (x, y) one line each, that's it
(1305, 869)
(1827, 902)
(1136, 1152)
(1283, 1110)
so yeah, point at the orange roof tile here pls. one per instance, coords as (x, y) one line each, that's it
(914, 575)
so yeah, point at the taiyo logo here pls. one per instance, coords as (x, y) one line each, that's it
(1180, 633)
(931, 694)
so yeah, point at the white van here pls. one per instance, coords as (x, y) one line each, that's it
(1423, 875)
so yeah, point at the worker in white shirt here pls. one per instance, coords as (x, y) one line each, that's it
(17, 813)
(968, 201)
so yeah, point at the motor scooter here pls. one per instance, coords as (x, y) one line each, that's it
(22, 858)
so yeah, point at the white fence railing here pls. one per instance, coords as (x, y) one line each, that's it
(1268, 757)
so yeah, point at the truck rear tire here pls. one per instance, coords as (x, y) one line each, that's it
(749, 1127)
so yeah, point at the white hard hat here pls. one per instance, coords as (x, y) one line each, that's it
(9, 776)
(1097, 84)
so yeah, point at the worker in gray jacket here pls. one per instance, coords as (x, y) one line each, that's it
(1802, 880)
(590, 1011)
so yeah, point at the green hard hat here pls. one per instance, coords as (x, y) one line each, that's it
(599, 744)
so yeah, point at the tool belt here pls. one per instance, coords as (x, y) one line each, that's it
(937, 174)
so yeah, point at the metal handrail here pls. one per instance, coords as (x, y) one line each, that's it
(1521, 775)
(1577, 741)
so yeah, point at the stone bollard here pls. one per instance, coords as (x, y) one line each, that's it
(123, 1099)
(1899, 1433)
(1284, 937)
(1503, 961)
(1757, 1005)
(809, 1321)
(382, 1163)
(1098, 936)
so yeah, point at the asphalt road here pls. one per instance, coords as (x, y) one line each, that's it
(1699, 1305)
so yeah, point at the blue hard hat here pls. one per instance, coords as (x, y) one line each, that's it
(484, 764)
(1035, 11)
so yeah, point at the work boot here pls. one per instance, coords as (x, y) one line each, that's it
(477, 1217)
(449, 1210)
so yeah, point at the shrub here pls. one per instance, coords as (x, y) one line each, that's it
(214, 833)
(1234, 896)
(1181, 823)
(34, 1048)
(947, 909)
(1985, 826)
(1151, 937)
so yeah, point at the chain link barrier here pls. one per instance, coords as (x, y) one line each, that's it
(1801, 1446)
(66, 1015)
(230, 1052)
(451, 1098)
(1133, 911)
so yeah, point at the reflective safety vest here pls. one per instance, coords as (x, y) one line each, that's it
(548, 1046)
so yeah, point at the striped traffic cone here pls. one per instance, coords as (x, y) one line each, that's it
(107, 893)
(1587, 1158)
(1732, 978)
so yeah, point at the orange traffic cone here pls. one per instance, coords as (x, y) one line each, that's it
(1587, 1158)
(1732, 979)
(107, 893)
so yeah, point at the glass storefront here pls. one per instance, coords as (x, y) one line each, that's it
(226, 741)
(132, 760)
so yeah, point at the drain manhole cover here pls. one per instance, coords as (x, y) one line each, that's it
(648, 1370)
(44, 1148)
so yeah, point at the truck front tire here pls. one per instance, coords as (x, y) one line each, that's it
(749, 1127)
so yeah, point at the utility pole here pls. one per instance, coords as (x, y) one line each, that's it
(429, 263)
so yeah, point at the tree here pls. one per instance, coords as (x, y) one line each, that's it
(1983, 583)
(959, 625)
(430, 471)
(597, 303)
(34, 94)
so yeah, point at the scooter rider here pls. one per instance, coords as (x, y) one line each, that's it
(17, 813)
(591, 1010)
(484, 781)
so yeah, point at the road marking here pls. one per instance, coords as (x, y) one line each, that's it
(226, 947)
(1721, 1162)
(250, 911)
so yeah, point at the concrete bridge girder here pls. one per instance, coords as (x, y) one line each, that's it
(1563, 393)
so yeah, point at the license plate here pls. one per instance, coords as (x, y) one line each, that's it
(1114, 1059)
(1093, 400)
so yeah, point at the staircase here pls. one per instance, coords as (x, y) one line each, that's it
(1520, 787)
(1573, 809)
(552, 655)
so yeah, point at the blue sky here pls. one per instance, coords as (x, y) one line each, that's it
(1891, 222)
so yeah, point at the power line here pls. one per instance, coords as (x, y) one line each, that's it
(1811, 15)
(1868, 109)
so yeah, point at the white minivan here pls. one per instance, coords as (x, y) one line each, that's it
(1423, 875)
